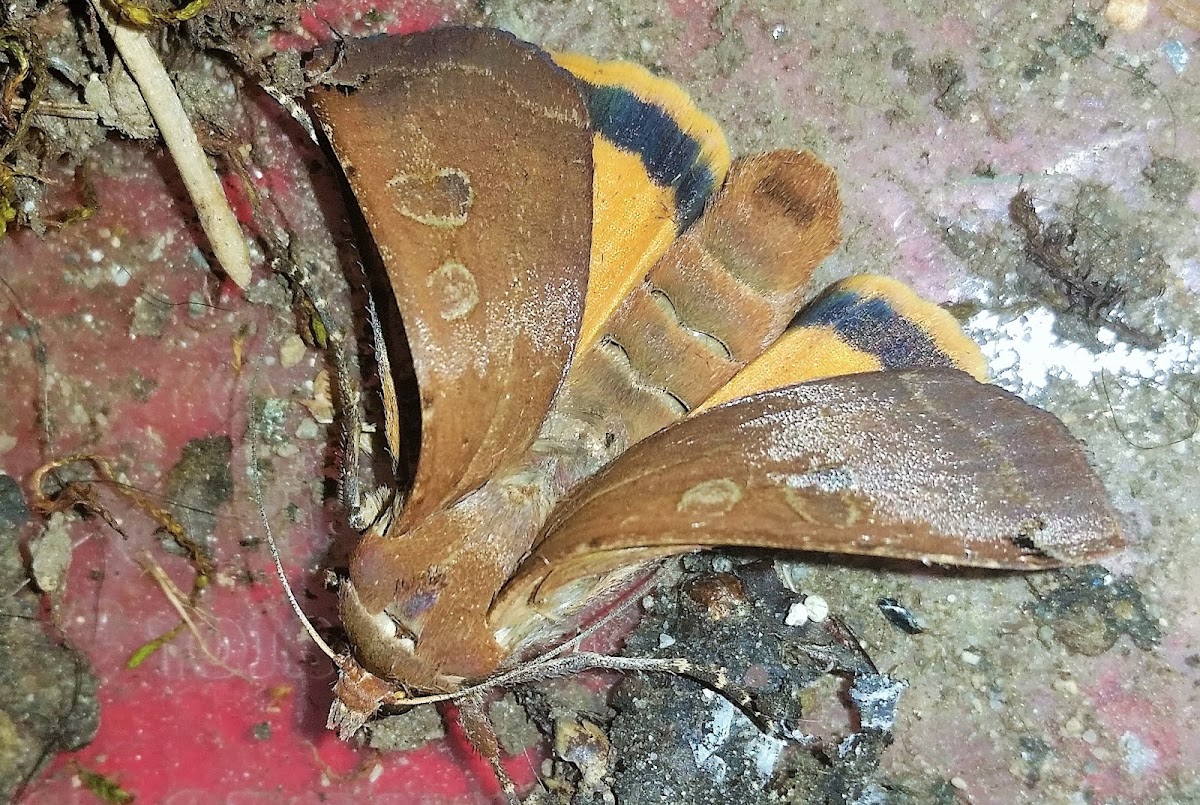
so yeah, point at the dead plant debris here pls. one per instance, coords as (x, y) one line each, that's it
(697, 747)
(1087, 609)
(1082, 279)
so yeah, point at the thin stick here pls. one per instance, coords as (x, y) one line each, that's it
(219, 223)
(73, 111)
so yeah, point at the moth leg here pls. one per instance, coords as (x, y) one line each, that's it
(477, 724)
(716, 679)
(365, 508)
(391, 408)
(350, 480)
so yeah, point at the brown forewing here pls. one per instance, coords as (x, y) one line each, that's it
(470, 157)
(927, 465)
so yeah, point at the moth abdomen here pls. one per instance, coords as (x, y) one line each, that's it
(709, 341)
(718, 297)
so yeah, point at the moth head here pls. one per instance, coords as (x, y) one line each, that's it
(407, 606)
(386, 666)
(386, 630)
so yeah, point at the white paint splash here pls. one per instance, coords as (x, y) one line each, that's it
(1025, 352)
(719, 729)
(764, 750)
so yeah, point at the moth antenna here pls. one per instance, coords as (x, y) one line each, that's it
(659, 578)
(256, 490)
(350, 485)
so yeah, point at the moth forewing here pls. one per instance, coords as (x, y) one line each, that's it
(483, 241)
(924, 464)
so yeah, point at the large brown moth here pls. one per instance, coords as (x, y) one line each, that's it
(620, 358)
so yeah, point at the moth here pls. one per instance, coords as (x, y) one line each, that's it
(620, 357)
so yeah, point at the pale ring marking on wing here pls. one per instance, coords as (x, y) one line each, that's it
(803, 505)
(716, 496)
(457, 291)
(441, 199)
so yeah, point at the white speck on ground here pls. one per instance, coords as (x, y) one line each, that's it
(1139, 756)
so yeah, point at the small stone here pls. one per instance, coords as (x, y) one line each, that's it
(665, 641)
(197, 305)
(970, 658)
(13, 509)
(1067, 686)
(818, 608)
(51, 555)
(308, 430)
(1171, 180)
(150, 316)
(320, 407)
(405, 731)
(1140, 756)
(291, 351)
(1177, 54)
(514, 730)
(584, 744)
(287, 450)
(797, 614)
(1127, 15)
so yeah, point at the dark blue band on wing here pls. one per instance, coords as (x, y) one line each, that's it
(871, 325)
(671, 157)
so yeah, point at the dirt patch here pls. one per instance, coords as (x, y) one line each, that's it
(1087, 610)
(47, 691)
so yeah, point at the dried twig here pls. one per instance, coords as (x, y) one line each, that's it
(201, 181)
(1051, 247)
(72, 111)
